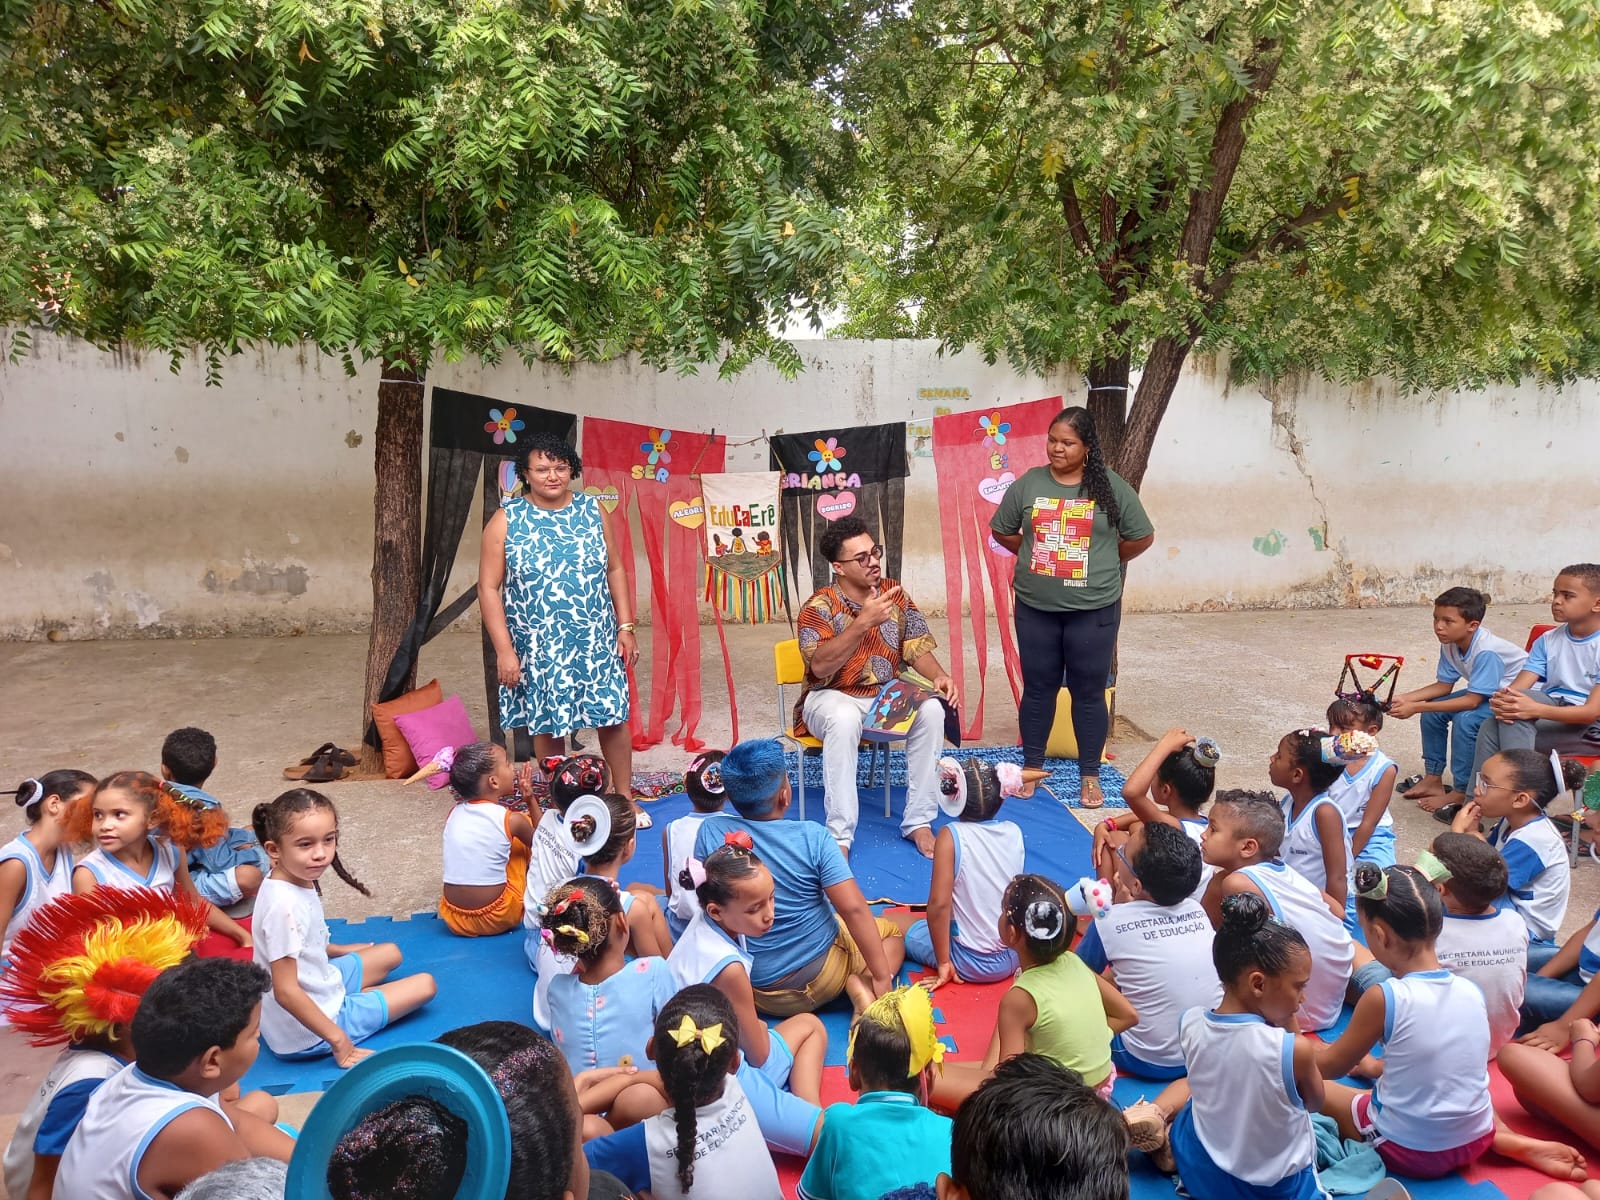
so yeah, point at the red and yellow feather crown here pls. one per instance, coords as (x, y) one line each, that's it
(83, 962)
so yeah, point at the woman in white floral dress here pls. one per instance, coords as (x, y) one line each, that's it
(557, 605)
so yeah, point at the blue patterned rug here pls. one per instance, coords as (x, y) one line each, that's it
(1063, 782)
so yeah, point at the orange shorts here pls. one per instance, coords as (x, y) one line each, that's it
(502, 914)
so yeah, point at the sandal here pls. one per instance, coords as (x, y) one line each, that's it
(1090, 795)
(325, 768)
(338, 753)
(641, 818)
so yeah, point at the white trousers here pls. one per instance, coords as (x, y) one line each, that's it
(836, 719)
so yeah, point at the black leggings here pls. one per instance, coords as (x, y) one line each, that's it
(1071, 650)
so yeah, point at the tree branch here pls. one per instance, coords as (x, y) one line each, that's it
(1284, 237)
(1074, 215)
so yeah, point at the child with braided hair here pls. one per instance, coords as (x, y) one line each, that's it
(888, 1138)
(1315, 841)
(325, 997)
(486, 845)
(143, 830)
(708, 1145)
(1057, 1007)
(74, 980)
(36, 865)
(1169, 787)
(553, 859)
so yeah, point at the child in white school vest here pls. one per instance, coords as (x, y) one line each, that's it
(702, 783)
(1315, 840)
(36, 865)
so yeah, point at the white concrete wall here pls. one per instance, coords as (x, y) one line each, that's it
(139, 502)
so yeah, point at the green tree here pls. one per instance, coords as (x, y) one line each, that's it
(397, 180)
(1351, 187)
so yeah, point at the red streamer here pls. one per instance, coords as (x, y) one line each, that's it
(965, 464)
(655, 468)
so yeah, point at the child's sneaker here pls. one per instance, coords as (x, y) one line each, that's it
(1147, 1131)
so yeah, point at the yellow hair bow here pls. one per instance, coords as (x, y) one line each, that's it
(911, 1009)
(572, 931)
(687, 1031)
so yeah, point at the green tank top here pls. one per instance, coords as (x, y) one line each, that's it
(1071, 1026)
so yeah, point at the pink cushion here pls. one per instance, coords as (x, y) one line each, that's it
(430, 729)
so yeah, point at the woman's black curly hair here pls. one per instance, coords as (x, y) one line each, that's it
(1096, 480)
(551, 445)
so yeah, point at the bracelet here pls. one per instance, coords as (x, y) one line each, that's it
(1111, 824)
(1586, 1042)
(625, 627)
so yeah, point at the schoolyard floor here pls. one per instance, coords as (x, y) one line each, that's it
(1244, 678)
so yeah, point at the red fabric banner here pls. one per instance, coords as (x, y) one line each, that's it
(624, 463)
(976, 455)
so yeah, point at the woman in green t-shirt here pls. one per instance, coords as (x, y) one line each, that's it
(1071, 524)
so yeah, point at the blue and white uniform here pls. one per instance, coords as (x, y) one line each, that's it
(122, 1119)
(1302, 846)
(1352, 792)
(1491, 950)
(111, 872)
(988, 856)
(682, 903)
(1488, 664)
(704, 951)
(52, 1116)
(1299, 903)
(1568, 666)
(1195, 827)
(40, 887)
(1434, 1093)
(1161, 958)
(1245, 1133)
(1540, 874)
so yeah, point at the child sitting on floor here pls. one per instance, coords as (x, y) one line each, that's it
(1175, 779)
(1057, 1007)
(1315, 841)
(887, 1138)
(1157, 947)
(553, 859)
(709, 1145)
(55, 989)
(647, 928)
(1035, 1131)
(601, 1015)
(1248, 1073)
(1482, 941)
(1242, 842)
(824, 939)
(702, 782)
(231, 868)
(1564, 1092)
(157, 1124)
(36, 865)
(735, 892)
(973, 860)
(1451, 719)
(1363, 789)
(142, 828)
(486, 845)
(325, 997)
(1430, 1113)
(1512, 790)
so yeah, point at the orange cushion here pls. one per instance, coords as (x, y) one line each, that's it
(398, 761)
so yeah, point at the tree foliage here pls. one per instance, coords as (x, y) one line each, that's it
(1355, 187)
(562, 179)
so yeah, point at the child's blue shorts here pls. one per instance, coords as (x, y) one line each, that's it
(780, 1060)
(787, 1122)
(972, 965)
(360, 1016)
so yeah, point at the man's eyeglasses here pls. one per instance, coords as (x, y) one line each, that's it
(866, 558)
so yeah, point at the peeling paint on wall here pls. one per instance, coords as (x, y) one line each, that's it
(1271, 544)
(258, 579)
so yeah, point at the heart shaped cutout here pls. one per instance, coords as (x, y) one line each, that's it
(992, 489)
(691, 514)
(608, 496)
(831, 508)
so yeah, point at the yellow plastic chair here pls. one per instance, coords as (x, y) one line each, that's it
(789, 670)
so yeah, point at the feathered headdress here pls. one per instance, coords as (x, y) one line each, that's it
(83, 962)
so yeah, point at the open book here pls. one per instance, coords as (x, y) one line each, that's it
(895, 706)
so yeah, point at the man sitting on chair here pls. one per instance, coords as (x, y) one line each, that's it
(855, 635)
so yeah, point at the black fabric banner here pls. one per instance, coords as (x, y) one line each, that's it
(465, 430)
(833, 473)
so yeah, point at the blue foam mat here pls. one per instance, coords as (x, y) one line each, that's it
(1064, 780)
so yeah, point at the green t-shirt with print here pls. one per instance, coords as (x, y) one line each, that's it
(1068, 560)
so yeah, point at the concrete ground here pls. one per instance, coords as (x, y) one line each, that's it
(1245, 678)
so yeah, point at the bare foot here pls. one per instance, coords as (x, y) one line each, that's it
(1434, 801)
(1431, 785)
(1554, 1159)
(922, 839)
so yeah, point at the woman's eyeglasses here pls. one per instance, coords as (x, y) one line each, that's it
(866, 558)
(556, 472)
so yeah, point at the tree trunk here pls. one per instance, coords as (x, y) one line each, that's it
(396, 527)
(1156, 385)
(1108, 404)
